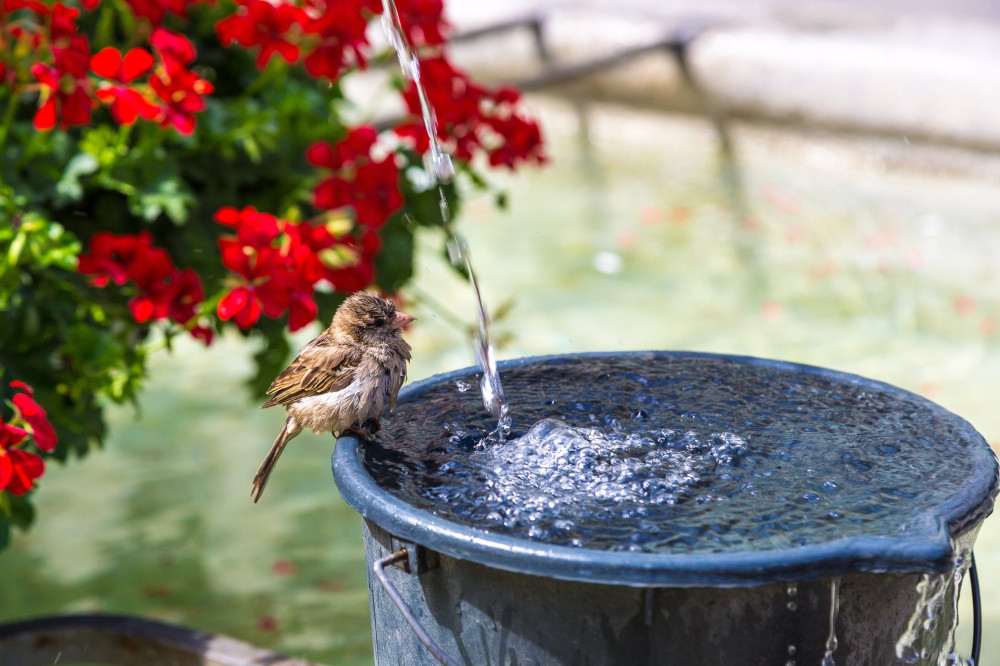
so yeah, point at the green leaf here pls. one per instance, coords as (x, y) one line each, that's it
(271, 358)
(394, 262)
(22, 512)
(69, 186)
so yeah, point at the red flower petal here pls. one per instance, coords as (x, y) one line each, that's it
(11, 435)
(301, 312)
(136, 63)
(321, 154)
(76, 108)
(240, 304)
(27, 467)
(228, 216)
(6, 469)
(106, 62)
(46, 116)
(32, 412)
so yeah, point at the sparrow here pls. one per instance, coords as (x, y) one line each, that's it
(342, 380)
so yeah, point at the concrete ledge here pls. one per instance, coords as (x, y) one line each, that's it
(919, 78)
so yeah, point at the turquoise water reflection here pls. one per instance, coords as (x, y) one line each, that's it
(630, 240)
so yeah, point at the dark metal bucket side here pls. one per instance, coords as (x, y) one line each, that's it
(492, 599)
(482, 615)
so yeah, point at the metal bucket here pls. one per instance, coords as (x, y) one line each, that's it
(444, 592)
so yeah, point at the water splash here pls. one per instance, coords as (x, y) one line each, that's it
(831, 639)
(932, 592)
(438, 163)
(947, 655)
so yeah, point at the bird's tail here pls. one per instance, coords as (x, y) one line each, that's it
(288, 432)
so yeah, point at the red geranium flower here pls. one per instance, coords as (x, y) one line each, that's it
(423, 21)
(156, 277)
(522, 141)
(11, 436)
(360, 274)
(471, 117)
(19, 469)
(241, 305)
(65, 99)
(156, 10)
(111, 257)
(341, 29)
(182, 92)
(62, 24)
(42, 431)
(174, 48)
(376, 192)
(127, 103)
(370, 187)
(253, 228)
(259, 23)
(266, 287)
(164, 291)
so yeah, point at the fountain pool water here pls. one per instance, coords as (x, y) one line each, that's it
(672, 472)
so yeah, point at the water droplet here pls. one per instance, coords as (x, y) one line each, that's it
(792, 606)
(791, 650)
(462, 385)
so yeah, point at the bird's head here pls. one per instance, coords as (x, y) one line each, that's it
(363, 314)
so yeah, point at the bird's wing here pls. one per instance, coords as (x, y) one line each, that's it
(317, 369)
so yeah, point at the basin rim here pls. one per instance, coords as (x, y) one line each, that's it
(925, 548)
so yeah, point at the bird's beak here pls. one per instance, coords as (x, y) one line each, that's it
(401, 319)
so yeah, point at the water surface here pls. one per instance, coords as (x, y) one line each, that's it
(678, 454)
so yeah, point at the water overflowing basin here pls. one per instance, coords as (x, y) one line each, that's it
(666, 471)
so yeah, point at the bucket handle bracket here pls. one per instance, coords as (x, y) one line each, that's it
(409, 559)
(418, 559)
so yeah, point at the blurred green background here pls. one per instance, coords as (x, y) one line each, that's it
(847, 253)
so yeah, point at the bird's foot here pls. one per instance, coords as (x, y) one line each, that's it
(361, 432)
(372, 425)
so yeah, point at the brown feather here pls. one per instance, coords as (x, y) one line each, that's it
(316, 370)
(347, 376)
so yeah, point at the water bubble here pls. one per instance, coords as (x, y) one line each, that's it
(792, 606)
(791, 650)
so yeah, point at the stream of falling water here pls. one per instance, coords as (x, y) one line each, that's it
(438, 163)
(919, 643)
(831, 639)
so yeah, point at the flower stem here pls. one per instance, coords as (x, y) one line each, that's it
(5, 125)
